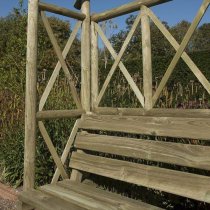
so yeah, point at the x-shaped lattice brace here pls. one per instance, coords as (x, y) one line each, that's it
(180, 53)
(119, 63)
(61, 64)
(60, 171)
(180, 50)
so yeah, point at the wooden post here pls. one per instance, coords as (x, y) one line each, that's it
(31, 91)
(94, 65)
(85, 57)
(147, 59)
(85, 74)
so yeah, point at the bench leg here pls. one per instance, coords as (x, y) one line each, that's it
(23, 206)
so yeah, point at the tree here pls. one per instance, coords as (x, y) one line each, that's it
(202, 39)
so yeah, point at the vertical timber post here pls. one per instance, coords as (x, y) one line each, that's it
(94, 65)
(85, 74)
(31, 92)
(85, 57)
(147, 59)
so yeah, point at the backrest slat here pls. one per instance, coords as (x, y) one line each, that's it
(194, 128)
(167, 152)
(171, 181)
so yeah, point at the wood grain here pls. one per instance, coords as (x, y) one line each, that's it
(59, 114)
(31, 95)
(66, 150)
(44, 201)
(61, 59)
(125, 9)
(147, 59)
(58, 66)
(61, 11)
(181, 49)
(118, 58)
(196, 71)
(85, 57)
(194, 128)
(94, 65)
(175, 182)
(122, 67)
(167, 152)
(158, 112)
(52, 150)
(94, 198)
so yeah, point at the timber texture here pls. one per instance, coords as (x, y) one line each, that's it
(159, 149)
(87, 146)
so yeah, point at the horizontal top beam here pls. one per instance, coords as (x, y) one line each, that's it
(59, 114)
(61, 11)
(125, 9)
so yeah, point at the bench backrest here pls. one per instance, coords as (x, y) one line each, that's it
(137, 172)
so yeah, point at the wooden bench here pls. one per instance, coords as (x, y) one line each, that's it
(117, 157)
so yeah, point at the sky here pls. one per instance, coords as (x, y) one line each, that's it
(172, 12)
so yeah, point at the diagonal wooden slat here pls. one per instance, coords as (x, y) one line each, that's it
(61, 59)
(58, 66)
(199, 75)
(121, 65)
(67, 150)
(181, 49)
(52, 150)
(118, 59)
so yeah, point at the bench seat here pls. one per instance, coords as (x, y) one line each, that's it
(168, 154)
(70, 195)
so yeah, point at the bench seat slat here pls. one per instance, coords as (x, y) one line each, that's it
(92, 198)
(167, 152)
(194, 128)
(44, 201)
(180, 183)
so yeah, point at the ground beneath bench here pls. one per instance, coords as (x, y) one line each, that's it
(8, 197)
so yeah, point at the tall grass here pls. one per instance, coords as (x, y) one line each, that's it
(12, 133)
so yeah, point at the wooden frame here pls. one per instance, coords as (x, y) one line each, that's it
(91, 96)
(31, 99)
(61, 11)
(125, 9)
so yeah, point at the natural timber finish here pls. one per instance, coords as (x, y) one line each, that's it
(156, 126)
(68, 195)
(67, 150)
(44, 201)
(158, 112)
(31, 95)
(122, 67)
(58, 66)
(138, 161)
(94, 65)
(85, 57)
(125, 9)
(61, 11)
(52, 150)
(118, 60)
(94, 198)
(194, 156)
(61, 59)
(196, 71)
(176, 182)
(147, 59)
(22, 206)
(181, 49)
(59, 114)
